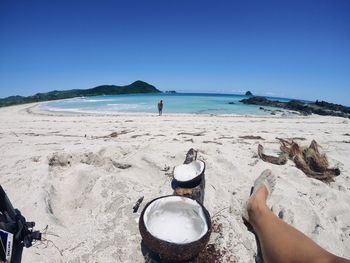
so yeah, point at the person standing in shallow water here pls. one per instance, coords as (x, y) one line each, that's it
(160, 107)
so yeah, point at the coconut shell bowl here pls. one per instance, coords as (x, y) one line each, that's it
(175, 228)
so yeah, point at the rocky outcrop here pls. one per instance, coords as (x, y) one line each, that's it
(332, 106)
(248, 93)
(304, 108)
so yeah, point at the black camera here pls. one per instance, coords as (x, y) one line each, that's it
(15, 231)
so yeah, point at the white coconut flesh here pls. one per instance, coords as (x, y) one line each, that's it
(187, 172)
(175, 219)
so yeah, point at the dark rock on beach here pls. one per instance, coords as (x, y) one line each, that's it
(332, 106)
(304, 108)
(248, 93)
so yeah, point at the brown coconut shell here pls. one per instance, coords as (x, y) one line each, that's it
(193, 182)
(172, 251)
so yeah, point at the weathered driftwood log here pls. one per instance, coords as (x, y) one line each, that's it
(197, 192)
(316, 161)
(289, 147)
(251, 137)
(325, 176)
(309, 160)
(280, 160)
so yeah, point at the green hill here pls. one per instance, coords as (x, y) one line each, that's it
(135, 87)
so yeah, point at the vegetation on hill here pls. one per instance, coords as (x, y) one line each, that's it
(135, 87)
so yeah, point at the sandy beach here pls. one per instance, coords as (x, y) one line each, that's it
(80, 175)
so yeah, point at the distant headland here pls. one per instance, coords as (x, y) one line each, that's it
(135, 87)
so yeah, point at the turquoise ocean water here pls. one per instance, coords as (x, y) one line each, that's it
(173, 103)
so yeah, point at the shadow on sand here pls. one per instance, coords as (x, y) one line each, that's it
(151, 257)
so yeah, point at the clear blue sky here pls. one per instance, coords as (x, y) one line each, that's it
(286, 48)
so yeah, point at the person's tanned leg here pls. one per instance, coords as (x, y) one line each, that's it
(280, 242)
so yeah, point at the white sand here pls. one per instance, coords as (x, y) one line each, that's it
(87, 204)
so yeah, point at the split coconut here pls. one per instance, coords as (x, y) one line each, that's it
(189, 175)
(174, 227)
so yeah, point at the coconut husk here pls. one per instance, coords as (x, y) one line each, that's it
(280, 160)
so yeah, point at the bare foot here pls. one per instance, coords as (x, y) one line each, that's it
(257, 204)
(263, 187)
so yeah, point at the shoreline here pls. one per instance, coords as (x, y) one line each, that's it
(269, 105)
(36, 110)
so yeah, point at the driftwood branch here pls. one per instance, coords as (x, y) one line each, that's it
(112, 135)
(251, 137)
(192, 133)
(280, 160)
(137, 204)
(309, 159)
